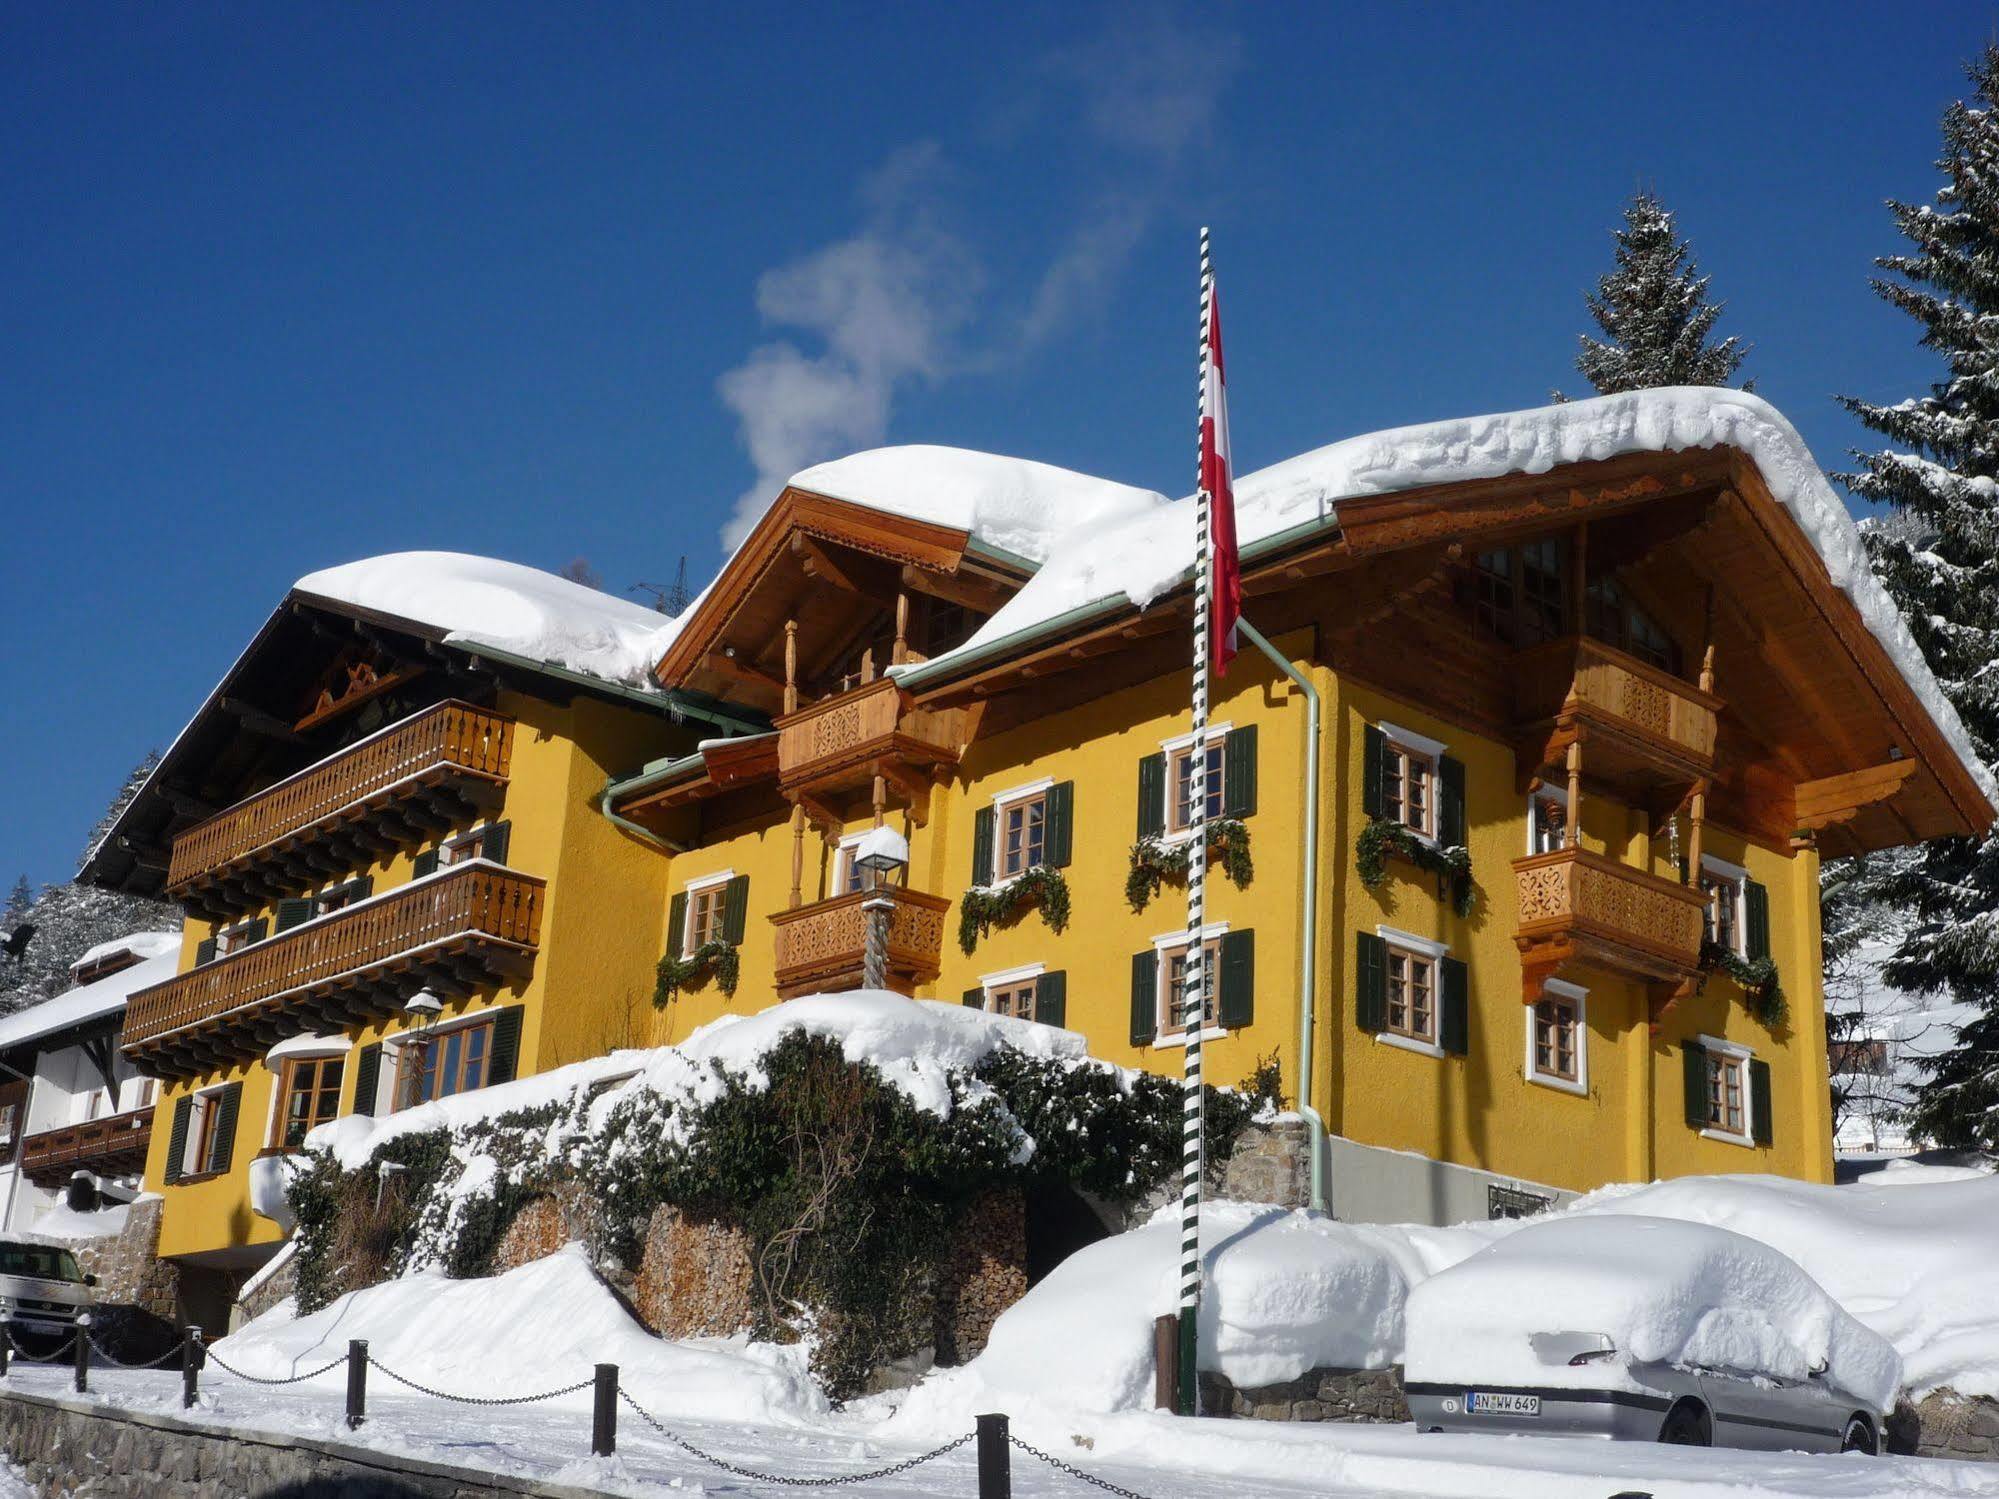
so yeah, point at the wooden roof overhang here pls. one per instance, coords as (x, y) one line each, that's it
(1821, 735)
(717, 768)
(833, 568)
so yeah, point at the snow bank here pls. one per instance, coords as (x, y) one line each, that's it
(64, 1222)
(1918, 1263)
(1014, 504)
(1663, 1291)
(520, 610)
(1136, 553)
(532, 1329)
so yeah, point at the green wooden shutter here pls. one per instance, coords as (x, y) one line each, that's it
(1373, 759)
(423, 864)
(1693, 1061)
(506, 1046)
(493, 842)
(1454, 1012)
(361, 887)
(1061, 806)
(1236, 1005)
(222, 1149)
(1051, 998)
(975, 999)
(982, 846)
(292, 912)
(204, 952)
(1451, 801)
(1370, 985)
(256, 931)
(1239, 772)
(735, 910)
(367, 1077)
(1152, 795)
(1756, 903)
(177, 1139)
(1759, 1103)
(676, 924)
(1144, 997)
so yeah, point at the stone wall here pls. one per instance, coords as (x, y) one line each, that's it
(1271, 1163)
(276, 1286)
(70, 1450)
(140, 1307)
(1947, 1424)
(1367, 1395)
(694, 1279)
(542, 1226)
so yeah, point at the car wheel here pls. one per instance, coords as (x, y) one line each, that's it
(1859, 1437)
(1687, 1425)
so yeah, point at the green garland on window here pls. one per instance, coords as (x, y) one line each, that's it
(674, 973)
(1153, 859)
(1762, 990)
(980, 910)
(1382, 838)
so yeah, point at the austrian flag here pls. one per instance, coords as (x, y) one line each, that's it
(1225, 573)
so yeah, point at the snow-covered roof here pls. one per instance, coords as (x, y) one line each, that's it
(78, 1007)
(506, 607)
(138, 944)
(1136, 553)
(1015, 505)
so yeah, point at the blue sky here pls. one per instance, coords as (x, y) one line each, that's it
(285, 286)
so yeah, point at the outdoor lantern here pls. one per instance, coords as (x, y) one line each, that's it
(883, 853)
(423, 1007)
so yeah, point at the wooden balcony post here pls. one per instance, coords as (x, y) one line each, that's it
(901, 626)
(797, 854)
(881, 799)
(791, 666)
(1574, 829)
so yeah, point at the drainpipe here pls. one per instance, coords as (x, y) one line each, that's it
(1307, 967)
(625, 824)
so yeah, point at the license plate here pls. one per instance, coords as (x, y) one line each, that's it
(1501, 1403)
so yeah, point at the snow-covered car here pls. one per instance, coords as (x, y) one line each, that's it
(1644, 1329)
(41, 1288)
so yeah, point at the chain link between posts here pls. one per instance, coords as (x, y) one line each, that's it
(568, 1389)
(68, 1347)
(1073, 1471)
(782, 1479)
(257, 1379)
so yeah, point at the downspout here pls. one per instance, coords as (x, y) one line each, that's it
(625, 824)
(1307, 967)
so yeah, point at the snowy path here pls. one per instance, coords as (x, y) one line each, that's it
(1156, 1456)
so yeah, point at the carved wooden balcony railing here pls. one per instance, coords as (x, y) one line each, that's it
(1581, 907)
(467, 929)
(843, 741)
(821, 946)
(390, 791)
(1643, 728)
(112, 1146)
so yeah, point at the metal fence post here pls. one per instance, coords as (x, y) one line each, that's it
(82, 1352)
(357, 1383)
(6, 1347)
(995, 1463)
(604, 1414)
(190, 1365)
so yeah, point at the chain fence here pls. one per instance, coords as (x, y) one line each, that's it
(228, 1368)
(568, 1389)
(1073, 1471)
(786, 1480)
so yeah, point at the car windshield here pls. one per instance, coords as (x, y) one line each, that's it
(40, 1260)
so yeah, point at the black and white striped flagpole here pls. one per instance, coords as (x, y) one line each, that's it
(1192, 1002)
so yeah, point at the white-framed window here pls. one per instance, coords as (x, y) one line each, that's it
(1412, 994)
(1558, 1037)
(1014, 991)
(1547, 820)
(1727, 915)
(848, 876)
(1730, 1104)
(1020, 829)
(481, 843)
(1409, 781)
(707, 899)
(339, 897)
(1181, 762)
(243, 934)
(203, 1151)
(1172, 982)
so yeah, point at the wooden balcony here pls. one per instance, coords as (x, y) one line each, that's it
(112, 1146)
(1645, 728)
(392, 790)
(1581, 907)
(844, 741)
(458, 932)
(821, 946)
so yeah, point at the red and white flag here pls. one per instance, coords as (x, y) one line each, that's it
(1225, 573)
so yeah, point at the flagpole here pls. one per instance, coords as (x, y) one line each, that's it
(1193, 1006)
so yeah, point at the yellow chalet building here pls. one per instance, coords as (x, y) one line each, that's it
(1515, 844)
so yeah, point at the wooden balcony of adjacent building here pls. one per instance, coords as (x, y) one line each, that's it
(1646, 732)
(822, 946)
(392, 790)
(1580, 907)
(467, 929)
(112, 1146)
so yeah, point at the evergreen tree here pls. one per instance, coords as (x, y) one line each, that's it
(19, 899)
(1938, 557)
(1654, 312)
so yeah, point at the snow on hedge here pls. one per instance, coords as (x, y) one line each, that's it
(535, 1328)
(1664, 1291)
(1918, 1263)
(520, 610)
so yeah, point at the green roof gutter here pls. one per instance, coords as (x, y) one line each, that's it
(675, 705)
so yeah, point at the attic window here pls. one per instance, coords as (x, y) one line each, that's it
(103, 966)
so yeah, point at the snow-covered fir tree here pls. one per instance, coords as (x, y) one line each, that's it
(1938, 556)
(1654, 312)
(70, 919)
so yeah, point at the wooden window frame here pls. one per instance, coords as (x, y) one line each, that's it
(848, 877)
(338, 897)
(416, 1047)
(1014, 994)
(1716, 877)
(1728, 1072)
(204, 1113)
(227, 941)
(1557, 994)
(1523, 615)
(1414, 960)
(1401, 753)
(1167, 1008)
(707, 910)
(288, 1081)
(1180, 753)
(1022, 802)
(454, 850)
